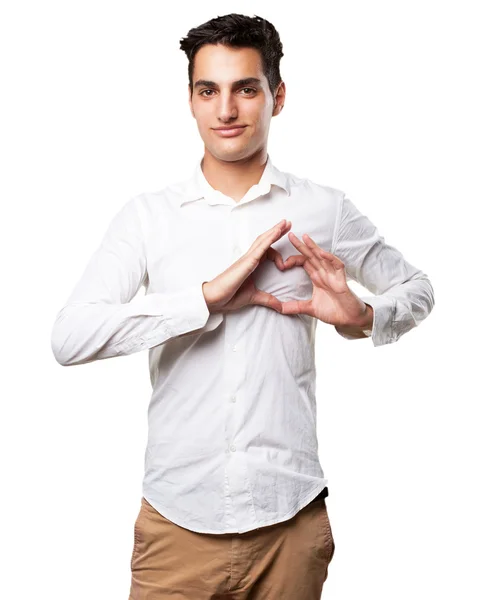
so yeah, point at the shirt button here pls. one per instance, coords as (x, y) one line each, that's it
(233, 398)
(233, 448)
(234, 348)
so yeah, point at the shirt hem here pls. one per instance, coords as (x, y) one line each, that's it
(168, 515)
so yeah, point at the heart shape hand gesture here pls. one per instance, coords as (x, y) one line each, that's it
(235, 288)
(332, 301)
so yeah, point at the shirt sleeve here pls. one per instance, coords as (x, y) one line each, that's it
(102, 318)
(403, 295)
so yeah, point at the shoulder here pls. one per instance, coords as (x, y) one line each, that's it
(151, 201)
(308, 186)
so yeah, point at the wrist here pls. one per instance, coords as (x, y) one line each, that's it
(209, 304)
(366, 320)
(361, 325)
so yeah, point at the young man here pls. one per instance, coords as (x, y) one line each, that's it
(233, 499)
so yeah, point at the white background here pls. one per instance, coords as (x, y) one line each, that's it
(381, 103)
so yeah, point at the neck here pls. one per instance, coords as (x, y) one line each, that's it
(234, 178)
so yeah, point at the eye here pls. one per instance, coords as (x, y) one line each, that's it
(246, 88)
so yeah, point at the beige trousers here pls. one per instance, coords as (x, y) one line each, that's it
(284, 561)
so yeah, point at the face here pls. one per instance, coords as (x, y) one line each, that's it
(218, 100)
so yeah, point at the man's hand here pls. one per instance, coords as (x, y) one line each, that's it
(234, 288)
(332, 302)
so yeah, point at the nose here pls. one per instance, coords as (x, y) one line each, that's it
(227, 109)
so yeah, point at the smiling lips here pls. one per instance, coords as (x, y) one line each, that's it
(230, 132)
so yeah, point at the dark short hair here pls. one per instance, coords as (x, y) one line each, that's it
(238, 31)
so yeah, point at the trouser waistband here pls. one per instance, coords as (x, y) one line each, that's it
(322, 494)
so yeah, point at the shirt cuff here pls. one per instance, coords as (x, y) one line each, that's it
(383, 317)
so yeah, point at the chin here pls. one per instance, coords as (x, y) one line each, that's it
(229, 153)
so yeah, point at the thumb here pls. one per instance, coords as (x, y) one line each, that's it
(297, 307)
(265, 299)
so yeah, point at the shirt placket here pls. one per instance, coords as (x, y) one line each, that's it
(237, 490)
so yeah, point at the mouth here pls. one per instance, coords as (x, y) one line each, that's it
(231, 132)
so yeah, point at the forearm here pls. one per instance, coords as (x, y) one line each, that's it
(88, 331)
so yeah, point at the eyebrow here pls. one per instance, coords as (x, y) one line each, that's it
(245, 81)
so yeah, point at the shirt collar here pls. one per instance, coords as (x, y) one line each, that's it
(197, 185)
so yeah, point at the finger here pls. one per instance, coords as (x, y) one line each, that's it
(276, 229)
(314, 274)
(272, 234)
(305, 250)
(264, 241)
(294, 260)
(275, 234)
(265, 299)
(336, 262)
(250, 261)
(296, 307)
(308, 267)
(276, 257)
(317, 260)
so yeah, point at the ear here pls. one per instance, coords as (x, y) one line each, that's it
(279, 98)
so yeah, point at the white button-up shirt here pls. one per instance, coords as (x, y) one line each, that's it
(232, 442)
